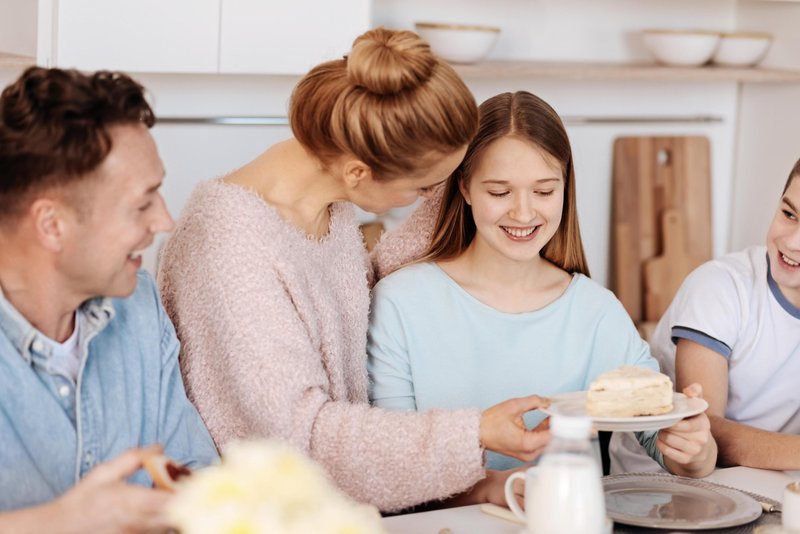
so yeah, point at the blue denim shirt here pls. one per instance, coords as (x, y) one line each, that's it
(129, 393)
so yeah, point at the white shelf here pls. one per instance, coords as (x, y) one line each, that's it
(13, 61)
(623, 72)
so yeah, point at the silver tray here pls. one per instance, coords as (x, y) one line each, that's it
(664, 501)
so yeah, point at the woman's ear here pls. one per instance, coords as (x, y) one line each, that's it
(355, 172)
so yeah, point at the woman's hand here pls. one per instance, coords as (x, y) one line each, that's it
(491, 489)
(494, 487)
(688, 447)
(503, 429)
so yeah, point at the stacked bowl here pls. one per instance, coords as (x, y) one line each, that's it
(692, 48)
(742, 49)
(458, 43)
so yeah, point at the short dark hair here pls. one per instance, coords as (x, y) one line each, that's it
(792, 175)
(54, 129)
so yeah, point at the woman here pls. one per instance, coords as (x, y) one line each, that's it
(267, 280)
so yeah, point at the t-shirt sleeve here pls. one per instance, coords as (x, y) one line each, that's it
(707, 309)
(648, 441)
(617, 338)
(391, 384)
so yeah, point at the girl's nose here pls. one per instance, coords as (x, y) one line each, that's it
(522, 210)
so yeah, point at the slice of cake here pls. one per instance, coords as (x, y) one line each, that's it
(629, 391)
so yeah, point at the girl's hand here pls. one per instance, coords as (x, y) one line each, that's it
(687, 446)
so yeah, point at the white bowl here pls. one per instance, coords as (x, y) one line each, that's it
(742, 49)
(681, 48)
(458, 43)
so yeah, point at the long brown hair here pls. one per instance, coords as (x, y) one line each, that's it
(390, 102)
(528, 117)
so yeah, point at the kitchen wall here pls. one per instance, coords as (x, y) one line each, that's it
(768, 142)
(579, 30)
(574, 30)
(194, 152)
(18, 27)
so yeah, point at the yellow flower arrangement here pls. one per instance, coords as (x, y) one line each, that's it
(267, 487)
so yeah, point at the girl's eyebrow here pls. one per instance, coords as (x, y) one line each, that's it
(505, 182)
(787, 201)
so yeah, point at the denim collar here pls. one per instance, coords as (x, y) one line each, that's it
(96, 313)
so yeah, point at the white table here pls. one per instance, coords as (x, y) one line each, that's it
(469, 519)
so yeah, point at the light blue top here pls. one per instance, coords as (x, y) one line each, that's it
(130, 394)
(433, 345)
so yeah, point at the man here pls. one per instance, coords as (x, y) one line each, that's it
(89, 377)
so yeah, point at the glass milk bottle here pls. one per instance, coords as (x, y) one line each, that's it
(564, 493)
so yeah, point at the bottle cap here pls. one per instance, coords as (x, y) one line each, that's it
(570, 427)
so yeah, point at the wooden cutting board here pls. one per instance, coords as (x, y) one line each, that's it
(664, 274)
(651, 175)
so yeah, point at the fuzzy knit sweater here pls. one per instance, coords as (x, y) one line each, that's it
(273, 326)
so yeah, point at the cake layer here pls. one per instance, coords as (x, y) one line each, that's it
(629, 391)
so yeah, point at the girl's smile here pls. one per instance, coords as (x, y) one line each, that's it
(521, 234)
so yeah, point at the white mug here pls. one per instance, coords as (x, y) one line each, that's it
(790, 516)
(562, 494)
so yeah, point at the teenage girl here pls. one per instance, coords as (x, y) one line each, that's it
(502, 303)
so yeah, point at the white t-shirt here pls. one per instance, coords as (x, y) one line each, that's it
(732, 306)
(65, 358)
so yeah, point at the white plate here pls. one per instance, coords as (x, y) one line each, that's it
(574, 403)
(657, 500)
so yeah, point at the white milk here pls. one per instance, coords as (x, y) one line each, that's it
(564, 494)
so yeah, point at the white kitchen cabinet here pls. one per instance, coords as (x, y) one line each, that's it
(130, 35)
(277, 37)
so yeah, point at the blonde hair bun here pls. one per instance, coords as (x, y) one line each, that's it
(386, 62)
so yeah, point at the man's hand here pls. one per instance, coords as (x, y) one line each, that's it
(102, 502)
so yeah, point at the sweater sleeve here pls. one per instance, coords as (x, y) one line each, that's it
(409, 241)
(391, 381)
(254, 368)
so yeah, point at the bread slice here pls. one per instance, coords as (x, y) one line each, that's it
(164, 471)
(629, 391)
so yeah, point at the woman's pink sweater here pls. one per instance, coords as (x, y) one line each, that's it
(273, 327)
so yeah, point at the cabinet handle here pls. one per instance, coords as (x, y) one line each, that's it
(227, 121)
(568, 120)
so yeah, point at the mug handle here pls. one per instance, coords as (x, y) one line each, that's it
(510, 499)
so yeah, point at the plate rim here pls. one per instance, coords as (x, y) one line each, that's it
(733, 493)
(634, 423)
